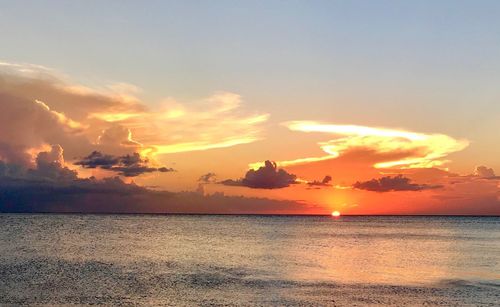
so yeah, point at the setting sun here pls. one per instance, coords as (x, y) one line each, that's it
(335, 213)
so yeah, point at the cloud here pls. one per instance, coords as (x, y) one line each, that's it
(388, 183)
(111, 195)
(41, 106)
(216, 121)
(266, 177)
(323, 183)
(419, 150)
(32, 82)
(32, 193)
(208, 178)
(484, 172)
(49, 186)
(50, 164)
(213, 122)
(129, 165)
(117, 135)
(30, 124)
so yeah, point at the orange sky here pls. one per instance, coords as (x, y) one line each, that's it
(373, 169)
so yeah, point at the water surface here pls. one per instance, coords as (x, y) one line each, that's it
(248, 260)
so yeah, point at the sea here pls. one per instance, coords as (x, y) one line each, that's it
(230, 260)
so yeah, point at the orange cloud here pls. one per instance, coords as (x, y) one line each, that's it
(422, 150)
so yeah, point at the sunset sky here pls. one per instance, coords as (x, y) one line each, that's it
(364, 107)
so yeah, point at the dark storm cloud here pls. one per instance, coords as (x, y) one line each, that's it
(50, 164)
(266, 177)
(39, 194)
(98, 159)
(50, 184)
(388, 183)
(111, 195)
(129, 165)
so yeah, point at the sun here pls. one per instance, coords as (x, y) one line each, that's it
(335, 213)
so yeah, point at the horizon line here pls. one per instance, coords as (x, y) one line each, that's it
(251, 214)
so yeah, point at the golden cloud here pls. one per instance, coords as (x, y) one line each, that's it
(114, 119)
(215, 122)
(63, 119)
(424, 150)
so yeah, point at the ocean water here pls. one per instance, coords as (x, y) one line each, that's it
(192, 260)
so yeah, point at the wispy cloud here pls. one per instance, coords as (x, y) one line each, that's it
(421, 150)
(215, 122)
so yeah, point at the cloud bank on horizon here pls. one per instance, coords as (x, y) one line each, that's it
(50, 187)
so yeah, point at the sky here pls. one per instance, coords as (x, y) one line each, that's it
(303, 107)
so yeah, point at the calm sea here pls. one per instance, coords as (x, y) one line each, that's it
(248, 260)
